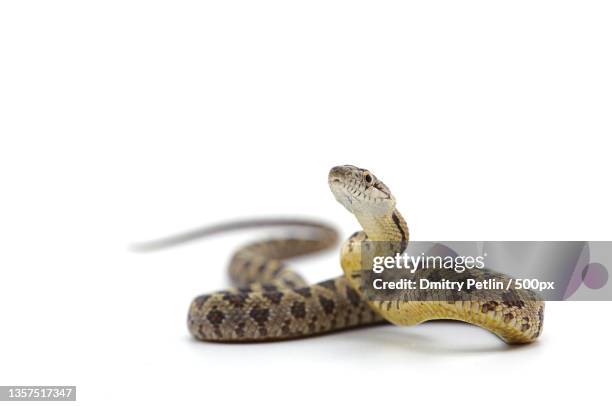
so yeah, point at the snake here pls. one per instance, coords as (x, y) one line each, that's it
(269, 301)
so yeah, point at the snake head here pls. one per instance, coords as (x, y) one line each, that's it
(359, 191)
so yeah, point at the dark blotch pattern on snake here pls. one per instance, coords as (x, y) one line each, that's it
(272, 302)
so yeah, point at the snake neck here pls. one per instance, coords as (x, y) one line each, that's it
(391, 227)
(389, 233)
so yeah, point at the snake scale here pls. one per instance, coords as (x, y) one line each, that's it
(271, 301)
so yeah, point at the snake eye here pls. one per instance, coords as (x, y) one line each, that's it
(368, 178)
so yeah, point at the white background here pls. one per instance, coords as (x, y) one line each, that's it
(128, 120)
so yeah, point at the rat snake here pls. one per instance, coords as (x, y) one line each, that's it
(270, 301)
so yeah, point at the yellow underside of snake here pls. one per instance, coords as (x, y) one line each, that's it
(270, 301)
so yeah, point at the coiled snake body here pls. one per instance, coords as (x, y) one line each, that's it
(273, 302)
